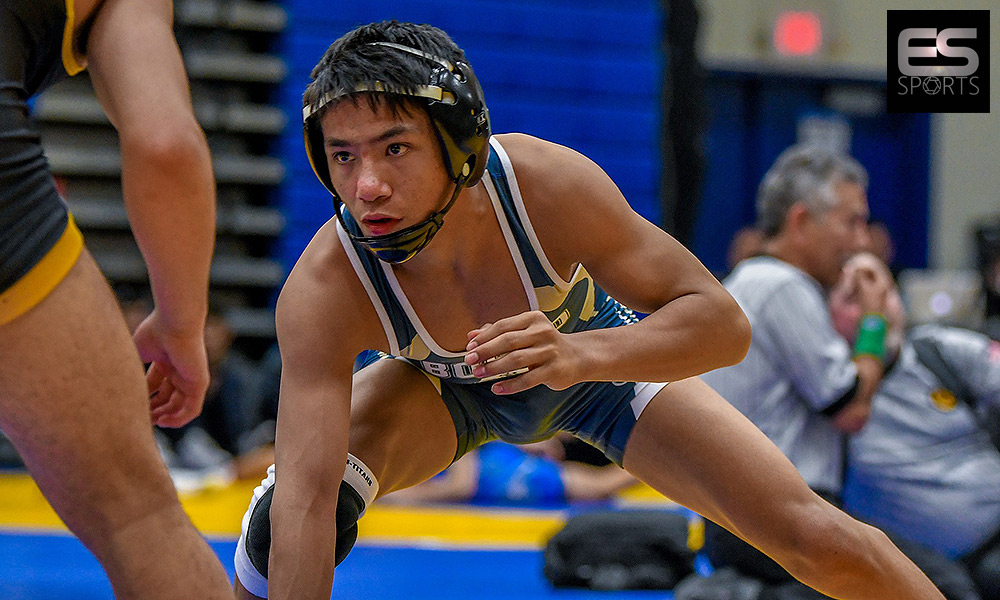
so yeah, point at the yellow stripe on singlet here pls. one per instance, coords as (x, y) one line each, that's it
(71, 61)
(44, 276)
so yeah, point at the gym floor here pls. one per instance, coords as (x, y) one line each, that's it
(404, 553)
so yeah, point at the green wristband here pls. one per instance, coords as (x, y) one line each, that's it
(871, 336)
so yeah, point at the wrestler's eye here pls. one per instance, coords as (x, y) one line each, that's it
(396, 149)
(342, 157)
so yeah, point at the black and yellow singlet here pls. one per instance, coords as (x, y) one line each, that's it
(39, 242)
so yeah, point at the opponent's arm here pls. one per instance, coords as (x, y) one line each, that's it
(694, 324)
(169, 190)
(311, 438)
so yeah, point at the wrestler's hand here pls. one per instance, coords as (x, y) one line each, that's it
(525, 350)
(178, 374)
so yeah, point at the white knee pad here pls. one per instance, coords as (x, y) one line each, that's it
(256, 524)
(360, 477)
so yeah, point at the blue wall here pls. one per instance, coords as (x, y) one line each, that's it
(584, 73)
(753, 117)
(587, 74)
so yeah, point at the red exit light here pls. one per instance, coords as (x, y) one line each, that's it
(798, 33)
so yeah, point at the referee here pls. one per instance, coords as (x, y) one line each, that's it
(801, 383)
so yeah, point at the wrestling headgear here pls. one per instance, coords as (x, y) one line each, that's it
(454, 101)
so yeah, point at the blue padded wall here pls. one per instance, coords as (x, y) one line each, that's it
(753, 117)
(584, 73)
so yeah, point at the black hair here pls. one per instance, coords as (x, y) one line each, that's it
(352, 63)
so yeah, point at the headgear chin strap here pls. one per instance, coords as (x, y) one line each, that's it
(455, 104)
(400, 246)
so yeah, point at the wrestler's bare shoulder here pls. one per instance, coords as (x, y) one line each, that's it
(544, 166)
(323, 296)
(566, 195)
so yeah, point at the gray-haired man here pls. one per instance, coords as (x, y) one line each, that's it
(801, 383)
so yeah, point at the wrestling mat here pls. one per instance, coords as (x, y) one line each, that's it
(403, 553)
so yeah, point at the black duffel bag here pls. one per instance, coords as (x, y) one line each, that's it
(620, 550)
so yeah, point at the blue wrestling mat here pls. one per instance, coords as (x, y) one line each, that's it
(55, 566)
(403, 553)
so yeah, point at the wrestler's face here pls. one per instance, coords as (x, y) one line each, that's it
(386, 167)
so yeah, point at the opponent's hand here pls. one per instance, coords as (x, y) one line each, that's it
(528, 348)
(178, 374)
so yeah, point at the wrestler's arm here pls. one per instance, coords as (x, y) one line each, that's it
(167, 180)
(693, 326)
(317, 351)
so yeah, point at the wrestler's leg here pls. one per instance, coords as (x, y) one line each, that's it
(694, 447)
(403, 434)
(400, 426)
(73, 400)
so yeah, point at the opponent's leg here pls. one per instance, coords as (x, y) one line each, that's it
(401, 434)
(694, 447)
(73, 400)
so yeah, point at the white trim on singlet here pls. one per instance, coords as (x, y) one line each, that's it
(359, 269)
(515, 251)
(644, 392)
(515, 193)
(411, 314)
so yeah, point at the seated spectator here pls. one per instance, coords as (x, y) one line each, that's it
(800, 383)
(531, 475)
(923, 467)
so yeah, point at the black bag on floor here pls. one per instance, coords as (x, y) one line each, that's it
(724, 584)
(620, 550)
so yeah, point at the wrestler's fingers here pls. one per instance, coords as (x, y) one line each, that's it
(178, 418)
(155, 376)
(161, 395)
(171, 413)
(505, 363)
(472, 334)
(526, 379)
(160, 398)
(502, 326)
(501, 345)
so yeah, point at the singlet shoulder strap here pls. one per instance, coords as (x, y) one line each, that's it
(501, 172)
(398, 329)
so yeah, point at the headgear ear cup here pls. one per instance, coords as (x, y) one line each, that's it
(463, 127)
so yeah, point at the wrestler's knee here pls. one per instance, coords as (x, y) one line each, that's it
(821, 536)
(357, 490)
